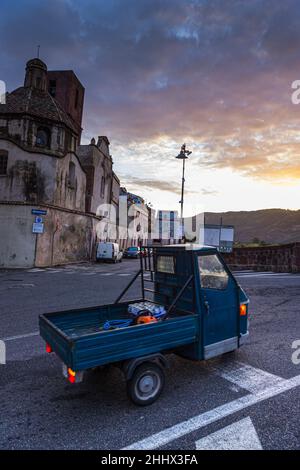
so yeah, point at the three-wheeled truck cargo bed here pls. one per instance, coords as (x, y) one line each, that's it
(206, 314)
(77, 339)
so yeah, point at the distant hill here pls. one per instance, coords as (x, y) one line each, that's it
(268, 225)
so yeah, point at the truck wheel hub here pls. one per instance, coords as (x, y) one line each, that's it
(147, 385)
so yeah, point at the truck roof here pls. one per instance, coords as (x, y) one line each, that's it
(184, 247)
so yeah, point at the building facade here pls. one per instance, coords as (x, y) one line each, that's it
(97, 164)
(133, 219)
(38, 139)
(44, 169)
(167, 226)
(40, 169)
(102, 187)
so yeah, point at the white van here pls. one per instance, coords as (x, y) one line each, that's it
(107, 251)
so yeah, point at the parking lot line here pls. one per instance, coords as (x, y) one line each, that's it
(28, 335)
(247, 377)
(241, 435)
(269, 274)
(179, 430)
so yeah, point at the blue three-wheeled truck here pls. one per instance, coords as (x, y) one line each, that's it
(191, 305)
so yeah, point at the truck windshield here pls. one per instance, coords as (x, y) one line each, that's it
(212, 272)
(132, 248)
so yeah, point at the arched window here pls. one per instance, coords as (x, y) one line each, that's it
(72, 176)
(43, 137)
(3, 162)
(102, 189)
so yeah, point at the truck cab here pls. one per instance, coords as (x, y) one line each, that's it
(214, 293)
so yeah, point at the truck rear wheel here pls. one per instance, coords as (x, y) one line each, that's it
(146, 384)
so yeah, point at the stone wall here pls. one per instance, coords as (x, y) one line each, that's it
(277, 258)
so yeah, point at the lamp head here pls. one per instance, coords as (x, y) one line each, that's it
(181, 155)
(184, 153)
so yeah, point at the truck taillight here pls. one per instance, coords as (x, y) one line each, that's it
(71, 376)
(48, 348)
(243, 310)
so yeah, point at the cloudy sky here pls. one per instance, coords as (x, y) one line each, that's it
(215, 74)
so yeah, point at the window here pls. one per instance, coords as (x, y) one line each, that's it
(165, 264)
(194, 224)
(3, 162)
(72, 178)
(43, 137)
(212, 272)
(52, 88)
(76, 99)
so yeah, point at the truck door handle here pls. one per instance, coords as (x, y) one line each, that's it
(207, 307)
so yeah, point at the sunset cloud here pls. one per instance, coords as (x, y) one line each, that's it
(157, 73)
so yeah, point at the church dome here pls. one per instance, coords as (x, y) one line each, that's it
(36, 103)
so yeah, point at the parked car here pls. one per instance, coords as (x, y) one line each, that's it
(145, 251)
(132, 252)
(107, 251)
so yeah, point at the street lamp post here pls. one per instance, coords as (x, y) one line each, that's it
(183, 155)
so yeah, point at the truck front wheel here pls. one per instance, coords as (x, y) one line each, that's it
(146, 383)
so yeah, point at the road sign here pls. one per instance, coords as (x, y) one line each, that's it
(37, 228)
(38, 220)
(38, 212)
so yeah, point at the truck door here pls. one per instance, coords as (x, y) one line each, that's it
(219, 301)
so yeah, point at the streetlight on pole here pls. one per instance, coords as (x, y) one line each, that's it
(183, 155)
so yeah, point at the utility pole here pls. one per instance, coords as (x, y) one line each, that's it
(183, 155)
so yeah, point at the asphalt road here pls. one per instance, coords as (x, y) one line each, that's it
(251, 395)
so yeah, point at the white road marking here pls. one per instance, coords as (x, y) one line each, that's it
(20, 286)
(247, 377)
(245, 271)
(267, 275)
(55, 271)
(241, 435)
(28, 335)
(178, 430)
(36, 270)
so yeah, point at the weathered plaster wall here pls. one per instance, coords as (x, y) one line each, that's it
(35, 177)
(68, 237)
(17, 242)
(30, 176)
(98, 164)
(67, 193)
(102, 176)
